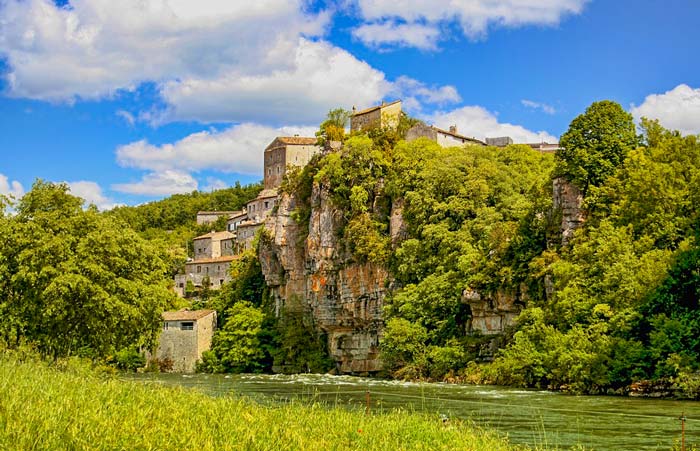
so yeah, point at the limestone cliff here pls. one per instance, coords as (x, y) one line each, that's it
(344, 297)
(568, 198)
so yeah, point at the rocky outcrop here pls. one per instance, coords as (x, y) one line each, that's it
(344, 297)
(491, 314)
(568, 199)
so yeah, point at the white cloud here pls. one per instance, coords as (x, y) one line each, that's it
(677, 109)
(95, 47)
(128, 117)
(548, 109)
(10, 188)
(480, 123)
(414, 93)
(236, 149)
(162, 183)
(213, 184)
(390, 33)
(474, 17)
(211, 60)
(319, 77)
(92, 193)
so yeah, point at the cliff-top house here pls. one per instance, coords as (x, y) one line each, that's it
(213, 254)
(446, 138)
(384, 115)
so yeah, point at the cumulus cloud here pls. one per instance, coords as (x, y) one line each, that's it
(319, 77)
(390, 33)
(474, 17)
(263, 61)
(162, 183)
(236, 149)
(92, 193)
(477, 122)
(10, 188)
(677, 109)
(415, 93)
(545, 108)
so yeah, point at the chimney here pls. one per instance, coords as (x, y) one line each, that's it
(453, 129)
(383, 103)
(353, 109)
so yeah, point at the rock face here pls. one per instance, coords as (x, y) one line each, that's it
(568, 198)
(345, 298)
(493, 313)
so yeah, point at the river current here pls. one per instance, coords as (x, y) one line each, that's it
(540, 418)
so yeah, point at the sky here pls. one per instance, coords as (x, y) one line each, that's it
(135, 100)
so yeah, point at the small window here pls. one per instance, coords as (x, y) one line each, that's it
(187, 325)
(221, 281)
(206, 270)
(199, 269)
(165, 325)
(181, 285)
(267, 204)
(278, 170)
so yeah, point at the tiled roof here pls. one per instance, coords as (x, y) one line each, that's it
(237, 214)
(293, 140)
(224, 259)
(221, 213)
(370, 109)
(216, 235)
(266, 193)
(186, 315)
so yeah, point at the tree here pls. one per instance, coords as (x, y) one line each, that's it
(333, 128)
(238, 344)
(77, 281)
(595, 144)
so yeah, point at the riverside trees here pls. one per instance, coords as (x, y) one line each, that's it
(74, 281)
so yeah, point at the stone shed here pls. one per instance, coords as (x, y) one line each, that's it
(186, 335)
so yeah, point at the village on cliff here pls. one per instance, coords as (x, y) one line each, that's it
(353, 328)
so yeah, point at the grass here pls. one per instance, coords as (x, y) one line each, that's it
(69, 406)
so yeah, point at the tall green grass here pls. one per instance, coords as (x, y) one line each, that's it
(71, 407)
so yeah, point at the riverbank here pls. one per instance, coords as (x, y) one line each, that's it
(70, 406)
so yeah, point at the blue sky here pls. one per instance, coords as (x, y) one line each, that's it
(134, 100)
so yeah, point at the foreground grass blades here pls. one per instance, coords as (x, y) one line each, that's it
(43, 407)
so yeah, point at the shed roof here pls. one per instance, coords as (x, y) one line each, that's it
(457, 135)
(292, 140)
(186, 315)
(222, 259)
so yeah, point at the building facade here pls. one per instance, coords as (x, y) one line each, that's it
(284, 151)
(446, 138)
(185, 336)
(384, 115)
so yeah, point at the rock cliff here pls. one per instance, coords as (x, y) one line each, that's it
(344, 297)
(568, 198)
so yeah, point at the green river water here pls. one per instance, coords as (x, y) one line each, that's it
(602, 423)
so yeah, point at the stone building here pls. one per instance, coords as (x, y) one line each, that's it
(245, 234)
(213, 254)
(384, 115)
(259, 208)
(235, 219)
(213, 244)
(284, 151)
(186, 335)
(446, 138)
(207, 217)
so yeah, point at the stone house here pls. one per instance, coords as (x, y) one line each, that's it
(245, 234)
(207, 217)
(384, 115)
(213, 254)
(446, 138)
(185, 336)
(213, 244)
(284, 151)
(259, 208)
(235, 219)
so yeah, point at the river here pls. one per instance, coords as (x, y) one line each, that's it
(541, 418)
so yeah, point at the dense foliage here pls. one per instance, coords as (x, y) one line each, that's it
(75, 281)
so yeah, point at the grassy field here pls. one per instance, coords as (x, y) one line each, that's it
(68, 406)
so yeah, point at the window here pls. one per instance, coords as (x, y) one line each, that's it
(199, 269)
(165, 325)
(206, 270)
(267, 205)
(181, 285)
(278, 170)
(221, 281)
(189, 325)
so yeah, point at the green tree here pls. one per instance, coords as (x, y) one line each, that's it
(237, 344)
(333, 128)
(77, 281)
(595, 144)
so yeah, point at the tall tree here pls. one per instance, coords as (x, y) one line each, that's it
(595, 144)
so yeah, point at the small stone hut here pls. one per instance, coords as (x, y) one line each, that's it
(186, 335)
